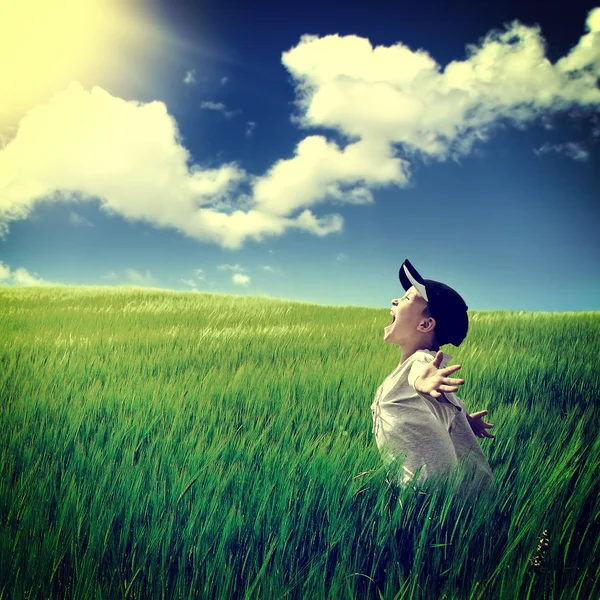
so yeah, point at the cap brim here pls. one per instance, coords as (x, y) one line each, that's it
(409, 276)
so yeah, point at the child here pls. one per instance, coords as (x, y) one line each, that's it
(415, 413)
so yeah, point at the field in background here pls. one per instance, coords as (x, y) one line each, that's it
(157, 444)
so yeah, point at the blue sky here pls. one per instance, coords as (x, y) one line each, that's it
(303, 152)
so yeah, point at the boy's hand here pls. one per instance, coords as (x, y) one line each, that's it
(433, 380)
(478, 425)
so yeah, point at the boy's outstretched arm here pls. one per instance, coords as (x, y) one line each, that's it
(434, 381)
(478, 425)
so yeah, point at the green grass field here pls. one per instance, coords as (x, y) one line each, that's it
(157, 444)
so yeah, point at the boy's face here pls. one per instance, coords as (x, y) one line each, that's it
(407, 312)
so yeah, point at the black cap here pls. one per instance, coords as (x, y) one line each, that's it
(445, 305)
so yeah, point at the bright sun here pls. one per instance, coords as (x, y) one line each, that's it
(46, 44)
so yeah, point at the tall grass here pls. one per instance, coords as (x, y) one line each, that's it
(158, 444)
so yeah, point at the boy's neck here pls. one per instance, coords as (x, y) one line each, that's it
(407, 350)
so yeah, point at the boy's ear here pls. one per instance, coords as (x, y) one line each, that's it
(428, 324)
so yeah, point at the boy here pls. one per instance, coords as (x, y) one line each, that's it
(415, 412)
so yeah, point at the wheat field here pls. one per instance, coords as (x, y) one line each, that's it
(158, 444)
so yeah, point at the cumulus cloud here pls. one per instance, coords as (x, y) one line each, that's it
(386, 106)
(197, 279)
(391, 97)
(575, 150)
(190, 282)
(4, 271)
(91, 145)
(250, 127)
(239, 279)
(320, 170)
(393, 105)
(140, 278)
(209, 105)
(189, 77)
(219, 107)
(225, 267)
(131, 275)
(20, 277)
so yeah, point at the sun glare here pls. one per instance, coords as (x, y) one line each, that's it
(44, 45)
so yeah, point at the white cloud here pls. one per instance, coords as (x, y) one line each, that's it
(198, 273)
(385, 99)
(379, 101)
(239, 279)
(219, 107)
(131, 275)
(140, 278)
(79, 220)
(199, 280)
(189, 77)
(574, 150)
(250, 127)
(20, 277)
(226, 267)
(190, 282)
(321, 171)
(4, 271)
(224, 80)
(129, 156)
(271, 269)
(340, 256)
(393, 96)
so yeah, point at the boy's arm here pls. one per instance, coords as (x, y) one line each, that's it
(434, 381)
(478, 425)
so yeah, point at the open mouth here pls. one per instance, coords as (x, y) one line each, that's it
(393, 318)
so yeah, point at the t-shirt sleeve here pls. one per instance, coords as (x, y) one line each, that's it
(419, 363)
(458, 400)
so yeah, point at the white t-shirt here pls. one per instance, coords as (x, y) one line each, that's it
(429, 432)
